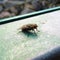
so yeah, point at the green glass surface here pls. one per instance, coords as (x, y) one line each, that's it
(15, 45)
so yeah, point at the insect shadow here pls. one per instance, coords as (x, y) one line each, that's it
(29, 34)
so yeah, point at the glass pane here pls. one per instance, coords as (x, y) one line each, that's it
(15, 45)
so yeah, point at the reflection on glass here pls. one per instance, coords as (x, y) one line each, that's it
(9, 8)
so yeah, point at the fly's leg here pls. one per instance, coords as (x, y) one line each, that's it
(34, 30)
(37, 30)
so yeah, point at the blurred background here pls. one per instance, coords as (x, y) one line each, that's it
(10, 8)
